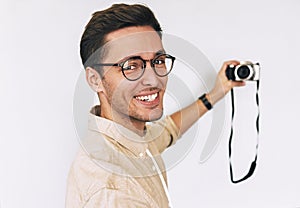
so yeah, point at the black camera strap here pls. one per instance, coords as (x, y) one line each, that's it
(253, 164)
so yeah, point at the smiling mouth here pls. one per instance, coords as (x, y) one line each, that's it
(147, 98)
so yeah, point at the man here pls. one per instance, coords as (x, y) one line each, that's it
(119, 164)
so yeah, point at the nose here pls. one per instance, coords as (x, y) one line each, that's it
(149, 77)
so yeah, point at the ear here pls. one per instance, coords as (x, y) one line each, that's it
(94, 79)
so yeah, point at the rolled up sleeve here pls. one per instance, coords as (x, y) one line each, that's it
(164, 132)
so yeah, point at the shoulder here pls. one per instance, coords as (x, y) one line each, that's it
(91, 185)
(86, 178)
(86, 170)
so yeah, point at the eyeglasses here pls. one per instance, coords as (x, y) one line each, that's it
(134, 67)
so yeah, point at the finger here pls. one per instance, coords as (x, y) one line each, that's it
(238, 83)
(230, 62)
(235, 62)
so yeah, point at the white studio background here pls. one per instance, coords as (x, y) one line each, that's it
(39, 69)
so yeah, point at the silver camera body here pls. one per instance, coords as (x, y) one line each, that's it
(245, 71)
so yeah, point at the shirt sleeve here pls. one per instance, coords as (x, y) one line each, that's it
(164, 133)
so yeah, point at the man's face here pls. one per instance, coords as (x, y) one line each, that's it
(140, 100)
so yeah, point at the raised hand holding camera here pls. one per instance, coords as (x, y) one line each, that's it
(245, 71)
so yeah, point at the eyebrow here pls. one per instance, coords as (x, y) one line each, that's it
(162, 51)
(159, 52)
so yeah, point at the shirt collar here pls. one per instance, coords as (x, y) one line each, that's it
(127, 138)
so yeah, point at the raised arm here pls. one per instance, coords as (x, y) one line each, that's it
(187, 116)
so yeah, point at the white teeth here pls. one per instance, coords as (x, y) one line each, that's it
(147, 98)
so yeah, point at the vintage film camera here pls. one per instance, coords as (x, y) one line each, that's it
(245, 71)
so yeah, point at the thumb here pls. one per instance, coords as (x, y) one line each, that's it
(238, 83)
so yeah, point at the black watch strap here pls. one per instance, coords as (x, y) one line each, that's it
(205, 101)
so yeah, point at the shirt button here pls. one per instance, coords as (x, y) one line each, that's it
(141, 154)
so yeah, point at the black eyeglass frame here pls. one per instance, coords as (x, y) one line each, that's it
(121, 64)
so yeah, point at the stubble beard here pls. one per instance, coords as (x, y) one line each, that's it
(153, 115)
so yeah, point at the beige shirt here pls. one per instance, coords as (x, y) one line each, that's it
(112, 168)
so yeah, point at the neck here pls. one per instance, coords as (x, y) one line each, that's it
(132, 124)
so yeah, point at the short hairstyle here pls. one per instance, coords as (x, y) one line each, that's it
(116, 17)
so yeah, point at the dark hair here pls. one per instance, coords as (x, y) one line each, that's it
(116, 17)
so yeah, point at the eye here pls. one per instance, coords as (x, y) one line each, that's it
(131, 65)
(159, 61)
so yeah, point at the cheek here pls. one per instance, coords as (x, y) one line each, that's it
(111, 81)
(108, 87)
(119, 92)
(164, 81)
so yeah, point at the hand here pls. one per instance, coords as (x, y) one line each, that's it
(222, 84)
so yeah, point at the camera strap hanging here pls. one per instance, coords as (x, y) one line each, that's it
(253, 164)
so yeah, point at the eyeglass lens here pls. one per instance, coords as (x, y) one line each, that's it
(133, 68)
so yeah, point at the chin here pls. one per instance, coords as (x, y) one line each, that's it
(153, 115)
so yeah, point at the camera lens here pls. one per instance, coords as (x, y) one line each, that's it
(243, 72)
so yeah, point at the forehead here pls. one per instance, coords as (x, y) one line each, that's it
(131, 41)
